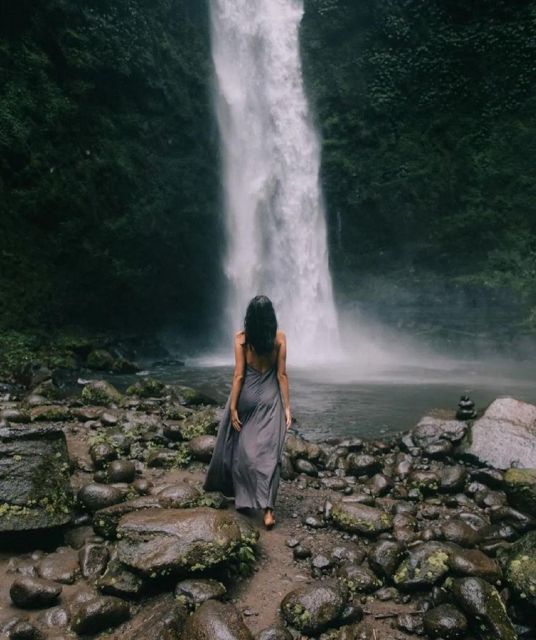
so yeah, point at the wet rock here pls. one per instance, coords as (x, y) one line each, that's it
(314, 522)
(85, 414)
(202, 447)
(34, 478)
(14, 416)
(214, 619)
(445, 621)
(146, 388)
(105, 520)
(335, 484)
(287, 469)
(410, 623)
(484, 608)
(142, 486)
(425, 565)
(360, 518)
(162, 459)
(428, 562)
(50, 413)
(24, 630)
(520, 487)
(362, 464)
(460, 532)
(520, 568)
(178, 496)
(100, 393)
(359, 578)
(295, 446)
(304, 466)
(321, 563)
(380, 484)
(179, 540)
(119, 581)
(301, 552)
(348, 552)
(98, 614)
(121, 471)
(93, 559)
(505, 420)
(34, 593)
(109, 419)
(384, 557)
(352, 444)
(313, 608)
(60, 566)
(162, 619)
(274, 633)
(431, 430)
(452, 478)
(426, 482)
(100, 360)
(101, 453)
(56, 618)
(439, 449)
(77, 537)
(196, 591)
(95, 496)
(491, 477)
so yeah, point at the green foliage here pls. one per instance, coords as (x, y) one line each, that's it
(108, 170)
(427, 112)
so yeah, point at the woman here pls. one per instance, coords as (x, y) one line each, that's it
(247, 456)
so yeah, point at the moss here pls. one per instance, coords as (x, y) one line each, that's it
(146, 388)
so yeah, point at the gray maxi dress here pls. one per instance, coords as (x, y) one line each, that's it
(246, 464)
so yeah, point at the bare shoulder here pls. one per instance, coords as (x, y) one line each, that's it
(280, 338)
(240, 337)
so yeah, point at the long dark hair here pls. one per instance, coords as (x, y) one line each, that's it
(260, 325)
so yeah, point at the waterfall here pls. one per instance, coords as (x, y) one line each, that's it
(276, 240)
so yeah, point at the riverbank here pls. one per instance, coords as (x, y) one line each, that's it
(385, 538)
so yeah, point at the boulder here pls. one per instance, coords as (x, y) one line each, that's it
(121, 471)
(34, 478)
(119, 581)
(100, 393)
(163, 541)
(431, 430)
(360, 518)
(506, 421)
(93, 559)
(484, 608)
(316, 607)
(274, 632)
(199, 423)
(384, 557)
(61, 566)
(161, 619)
(50, 413)
(146, 388)
(359, 578)
(216, 620)
(520, 487)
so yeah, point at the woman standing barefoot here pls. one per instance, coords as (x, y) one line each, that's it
(247, 457)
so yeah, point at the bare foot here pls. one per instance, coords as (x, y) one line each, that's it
(269, 520)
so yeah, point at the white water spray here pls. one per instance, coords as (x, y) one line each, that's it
(276, 229)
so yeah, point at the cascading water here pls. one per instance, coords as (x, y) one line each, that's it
(276, 229)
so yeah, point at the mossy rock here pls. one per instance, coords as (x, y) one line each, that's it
(159, 542)
(359, 518)
(520, 485)
(195, 398)
(101, 392)
(200, 423)
(50, 413)
(100, 360)
(147, 388)
(34, 478)
(313, 608)
(520, 569)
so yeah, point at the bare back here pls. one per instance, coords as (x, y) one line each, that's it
(256, 361)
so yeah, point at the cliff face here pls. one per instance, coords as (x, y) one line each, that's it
(427, 116)
(108, 163)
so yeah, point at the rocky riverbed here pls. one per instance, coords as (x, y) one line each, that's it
(107, 533)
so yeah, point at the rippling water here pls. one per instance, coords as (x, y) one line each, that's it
(342, 401)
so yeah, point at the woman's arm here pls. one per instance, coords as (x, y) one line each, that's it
(238, 379)
(282, 376)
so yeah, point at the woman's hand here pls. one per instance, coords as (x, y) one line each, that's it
(288, 418)
(235, 420)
